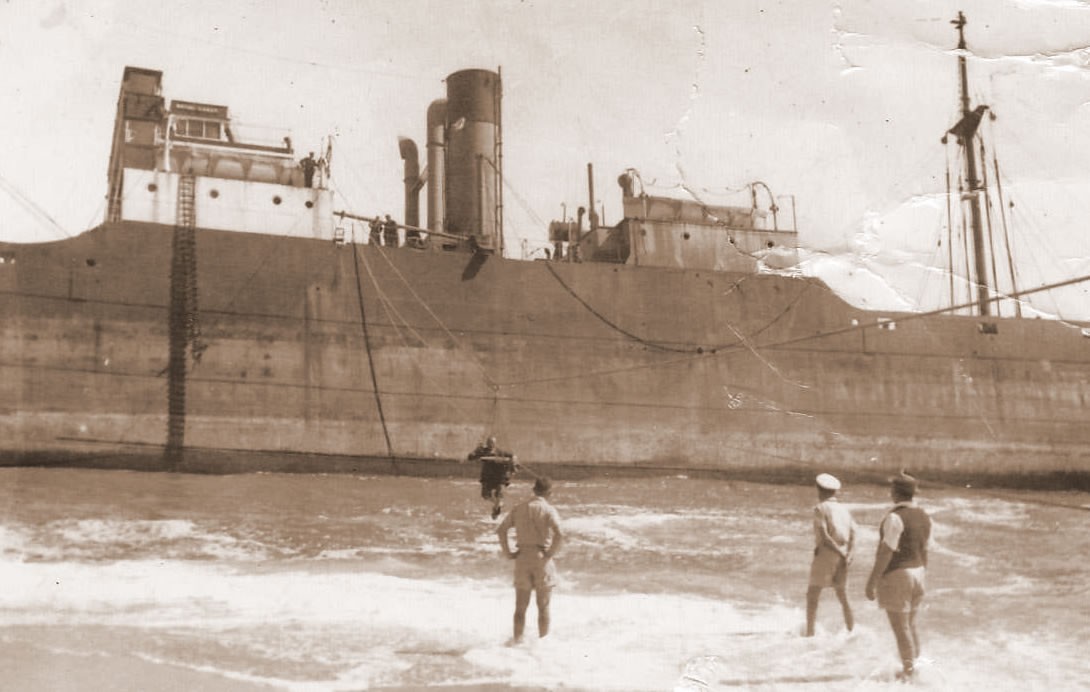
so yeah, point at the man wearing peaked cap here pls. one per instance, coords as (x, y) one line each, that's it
(905, 484)
(834, 538)
(900, 566)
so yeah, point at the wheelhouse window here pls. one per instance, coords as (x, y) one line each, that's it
(203, 129)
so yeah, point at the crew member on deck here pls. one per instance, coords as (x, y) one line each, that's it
(375, 228)
(497, 468)
(308, 164)
(389, 231)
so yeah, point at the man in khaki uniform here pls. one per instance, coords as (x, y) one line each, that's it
(538, 539)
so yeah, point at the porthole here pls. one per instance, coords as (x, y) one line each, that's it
(276, 199)
(91, 262)
(310, 205)
(152, 187)
(686, 235)
(213, 193)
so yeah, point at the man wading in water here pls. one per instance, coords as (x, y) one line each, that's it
(899, 568)
(538, 539)
(834, 538)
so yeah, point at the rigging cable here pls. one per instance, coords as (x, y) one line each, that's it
(949, 228)
(473, 357)
(424, 342)
(1038, 236)
(658, 346)
(524, 204)
(1003, 218)
(392, 313)
(605, 320)
(33, 208)
(1029, 226)
(431, 313)
(742, 341)
(371, 358)
(388, 305)
(988, 221)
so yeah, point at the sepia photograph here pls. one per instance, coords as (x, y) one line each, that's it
(533, 345)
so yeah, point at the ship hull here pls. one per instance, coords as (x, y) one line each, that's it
(317, 356)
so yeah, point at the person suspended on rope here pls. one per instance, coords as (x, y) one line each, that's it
(497, 468)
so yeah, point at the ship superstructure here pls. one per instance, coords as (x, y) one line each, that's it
(167, 158)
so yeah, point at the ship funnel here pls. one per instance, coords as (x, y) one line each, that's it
(437, 123)
(473, 156)
(412, 180)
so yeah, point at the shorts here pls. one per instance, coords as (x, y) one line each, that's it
(901, 590)
(829, 568)
(533, 570)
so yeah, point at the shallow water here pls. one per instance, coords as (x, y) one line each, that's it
(120, 580)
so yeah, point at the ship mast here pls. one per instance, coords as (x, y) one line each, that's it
(965, 131)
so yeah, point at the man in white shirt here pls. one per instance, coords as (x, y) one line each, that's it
(834, 548)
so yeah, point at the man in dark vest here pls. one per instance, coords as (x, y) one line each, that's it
(899, 567)
(497, 468)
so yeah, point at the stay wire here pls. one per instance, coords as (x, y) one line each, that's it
(446, 330)
(371, 359)
(392, 313)
(461, 410)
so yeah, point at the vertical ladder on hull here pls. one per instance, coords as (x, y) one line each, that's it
(186, 214)
(113, 208)
(183, 328)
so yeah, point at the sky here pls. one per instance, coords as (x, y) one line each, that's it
(836, 105)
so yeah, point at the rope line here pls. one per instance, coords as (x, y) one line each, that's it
(371, 358)
(392, 312)
(33, 208)
(446, 330)
(609, 323)
(670, 349)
